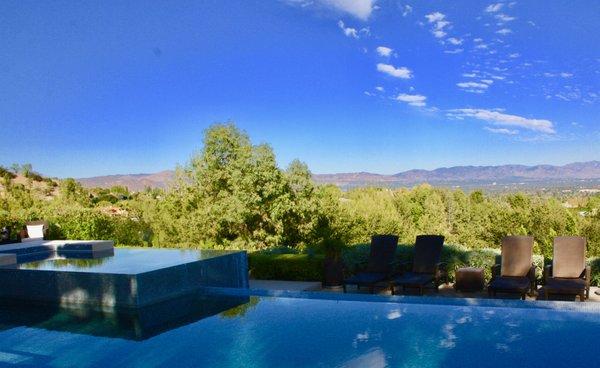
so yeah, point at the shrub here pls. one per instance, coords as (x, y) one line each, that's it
(293, 267)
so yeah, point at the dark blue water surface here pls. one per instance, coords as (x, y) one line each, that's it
(234, 331)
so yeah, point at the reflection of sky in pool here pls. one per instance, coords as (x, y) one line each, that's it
(126, 261)
(290, 332)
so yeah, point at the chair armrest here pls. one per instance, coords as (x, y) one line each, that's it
(547, 273)
(587, 274)
(496, 270)
(532, 278)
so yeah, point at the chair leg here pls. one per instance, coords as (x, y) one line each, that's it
(582, 297)
(392, 289)
(587, 293)
(344, 287)
(523, 295)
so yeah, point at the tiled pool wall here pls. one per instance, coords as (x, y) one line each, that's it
(119, 290)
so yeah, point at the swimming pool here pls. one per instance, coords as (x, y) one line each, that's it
(268, 331)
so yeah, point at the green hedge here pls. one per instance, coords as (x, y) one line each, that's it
(293, 267)
(306, 267)
(453, 255)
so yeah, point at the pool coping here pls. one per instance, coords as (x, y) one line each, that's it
(559, 306)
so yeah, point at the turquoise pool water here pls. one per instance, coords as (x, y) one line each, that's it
(295, 332)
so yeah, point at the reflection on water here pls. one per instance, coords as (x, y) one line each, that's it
(133, 324)
(282, 332)
(120, 260)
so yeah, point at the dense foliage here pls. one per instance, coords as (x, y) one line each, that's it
(232, 194)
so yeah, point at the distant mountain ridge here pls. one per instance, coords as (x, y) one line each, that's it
(444, 175)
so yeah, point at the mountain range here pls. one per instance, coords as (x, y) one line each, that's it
(447, 176)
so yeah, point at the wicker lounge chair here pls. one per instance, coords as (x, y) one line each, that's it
(568, 273)
(380, 265)
(516, 273)
(426, 268)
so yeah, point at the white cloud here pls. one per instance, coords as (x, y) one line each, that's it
(413, 100)
(349, 32)
(504, 18)
(406, 10)
(438, 22)
(566, 75)
(401, 72)
(455, 51)
(501, 131)
(380, 89)
(492, 8)
(384, 51)
(435, 17)
(360, 9)
(514, 55)
(439, 34)
(481, 46)
(455, 41)
(478, 40)
(472, 85)
(469, 75)
(487, 81)
(504, 31)
(507, 120)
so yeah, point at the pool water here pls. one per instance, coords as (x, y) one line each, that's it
(296, 332)
(124, 261)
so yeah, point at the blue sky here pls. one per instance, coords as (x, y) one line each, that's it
(94, 88)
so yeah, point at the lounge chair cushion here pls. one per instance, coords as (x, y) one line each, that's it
(569, 256)
(366, 278)
(35, 231)
(566, 286)
(517, 256)
(414, 279)
(515, 284)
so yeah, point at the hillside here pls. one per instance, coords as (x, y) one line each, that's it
(463, 176)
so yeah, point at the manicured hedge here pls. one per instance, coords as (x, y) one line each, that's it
(293, 267)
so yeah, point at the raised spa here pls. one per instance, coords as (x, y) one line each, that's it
(121, 277)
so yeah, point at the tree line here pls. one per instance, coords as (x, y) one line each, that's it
(232, 194)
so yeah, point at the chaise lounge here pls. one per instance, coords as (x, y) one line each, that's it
(380, 265)
(426, 268)
(568, 273)
(516, 272)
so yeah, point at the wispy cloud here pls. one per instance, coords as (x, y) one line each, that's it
(360, 9)
(504, 31)
(504, 18)
(501, 131)
(439, 23)
(502, 119)
(400, 72)
(384, 51)
(348, 31)
(492, 8)
(455, 41)
(473, 87)
(413, 100)
(406, 10)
